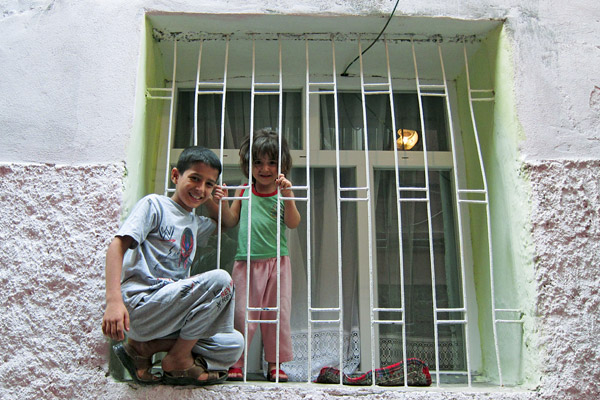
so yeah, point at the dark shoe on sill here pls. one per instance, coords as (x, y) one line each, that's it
(133, 362)
(190, 376)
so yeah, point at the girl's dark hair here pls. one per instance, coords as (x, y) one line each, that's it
(265, 143)
(195, 154)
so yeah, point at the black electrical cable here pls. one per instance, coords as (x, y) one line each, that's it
(345, 73)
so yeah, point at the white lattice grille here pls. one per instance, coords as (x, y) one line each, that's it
(383, 78)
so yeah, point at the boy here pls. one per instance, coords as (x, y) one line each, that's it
(149, 291)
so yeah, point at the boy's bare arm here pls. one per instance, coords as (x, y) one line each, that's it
(116, 317)
(229, 218)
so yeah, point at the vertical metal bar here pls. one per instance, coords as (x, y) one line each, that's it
(308, 212)
(308, 216)
(196, 92)
(399, 212)
(369, 211)
(248, 242)
(308, 92)
(429, 226)
(488, 216)
(459, 214)
(223, 99)
(171, 112)
(339, 216)
(280, 133)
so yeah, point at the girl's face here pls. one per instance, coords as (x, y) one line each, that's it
(264, 172)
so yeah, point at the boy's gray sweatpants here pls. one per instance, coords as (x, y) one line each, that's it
(200, 307)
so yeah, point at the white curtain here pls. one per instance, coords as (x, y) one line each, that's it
(323, 238)
(325, 283)
(417, 268)
(237, 118)
(324, 267)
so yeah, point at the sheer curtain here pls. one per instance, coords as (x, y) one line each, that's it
(417, 269)
(323, 238)
(324, 281)
(324, 278)
(237, 118)
(415, 237)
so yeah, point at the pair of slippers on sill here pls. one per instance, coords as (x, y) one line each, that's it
(133, 362)
(417, 374)
(236, 374)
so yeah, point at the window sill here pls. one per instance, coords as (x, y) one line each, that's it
(303, 388)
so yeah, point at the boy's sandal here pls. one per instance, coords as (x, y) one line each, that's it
(282, 375)
(190, 376)
(133, 362)
(238, 372)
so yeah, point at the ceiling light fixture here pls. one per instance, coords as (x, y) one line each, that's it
(407, 139)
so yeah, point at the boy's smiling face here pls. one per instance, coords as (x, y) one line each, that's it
(194, 186)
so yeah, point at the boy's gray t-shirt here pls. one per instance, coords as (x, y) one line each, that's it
(165, 238)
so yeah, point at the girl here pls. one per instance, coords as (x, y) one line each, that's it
(263, 251)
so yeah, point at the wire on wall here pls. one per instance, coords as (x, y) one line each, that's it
(345, 73)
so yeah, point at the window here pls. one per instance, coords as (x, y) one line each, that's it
(399, 231)
(237, 118)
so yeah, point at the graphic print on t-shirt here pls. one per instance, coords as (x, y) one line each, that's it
(187, 245)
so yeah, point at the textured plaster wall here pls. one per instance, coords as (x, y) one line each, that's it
(68, 84)
(55, 225)
(566, 234)
(57, 221)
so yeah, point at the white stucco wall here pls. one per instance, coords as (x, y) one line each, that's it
(69, 69)
(67, 82)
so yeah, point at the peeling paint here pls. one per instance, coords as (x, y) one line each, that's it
(164, 35)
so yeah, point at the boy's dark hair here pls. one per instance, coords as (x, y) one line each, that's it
(195, 154)
(265, 143)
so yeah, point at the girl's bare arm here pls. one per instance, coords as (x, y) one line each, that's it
(291, 215)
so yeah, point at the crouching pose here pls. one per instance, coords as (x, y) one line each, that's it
(150, 295)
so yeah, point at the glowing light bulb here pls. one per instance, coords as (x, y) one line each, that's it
(407, 139)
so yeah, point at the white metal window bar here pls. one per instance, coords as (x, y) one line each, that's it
(475, 96)
(441, 90)
(257, 89)
(325, 88)
(154, 94)
(262, 88)
(367, 88)
(210, 88)
(386, 89)
(402, 308)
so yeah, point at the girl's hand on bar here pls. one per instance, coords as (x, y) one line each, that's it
(284, 185)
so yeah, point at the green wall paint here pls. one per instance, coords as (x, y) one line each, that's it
(499, 133)
(143, 148)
